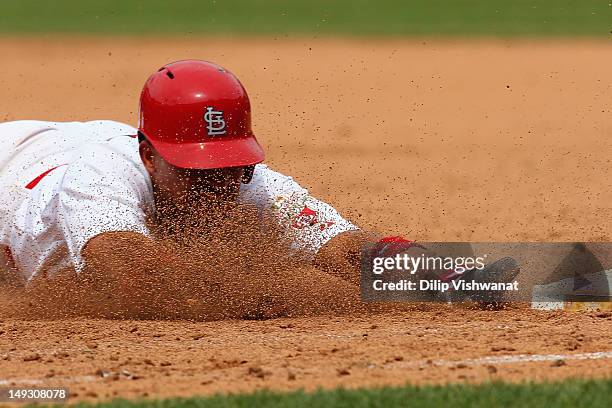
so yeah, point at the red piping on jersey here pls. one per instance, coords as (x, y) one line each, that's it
(34, 182)
(394, 239)
(10, 261)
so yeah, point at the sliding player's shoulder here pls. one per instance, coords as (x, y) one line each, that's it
(103, 127)
(107, 169)
(264, 176)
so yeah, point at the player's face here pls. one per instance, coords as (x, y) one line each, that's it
(216, 184)
(193, 186)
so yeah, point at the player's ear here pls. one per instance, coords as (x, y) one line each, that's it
(247, 176)
(146, 155)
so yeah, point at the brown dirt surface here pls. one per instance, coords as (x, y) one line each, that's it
(435, 140)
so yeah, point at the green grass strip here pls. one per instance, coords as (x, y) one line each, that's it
(361, 17)
(569, 393)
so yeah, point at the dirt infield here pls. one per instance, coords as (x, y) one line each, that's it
(447, 141)
(101, 359)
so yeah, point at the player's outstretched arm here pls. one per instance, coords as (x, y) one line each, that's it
(134, 273)
(139, 277)
(341, 255)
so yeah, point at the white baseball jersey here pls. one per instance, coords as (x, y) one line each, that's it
(64, 183)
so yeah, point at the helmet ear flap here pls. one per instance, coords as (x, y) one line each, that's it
(248, 174)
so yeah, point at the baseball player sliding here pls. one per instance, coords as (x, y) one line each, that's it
(77, 194)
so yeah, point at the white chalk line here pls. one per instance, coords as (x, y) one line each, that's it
(489, 360)
(525, 358)
(499, 360)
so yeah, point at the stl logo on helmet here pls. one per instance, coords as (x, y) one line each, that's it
(215, 123)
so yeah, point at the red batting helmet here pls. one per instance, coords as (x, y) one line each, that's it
(197, 115)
